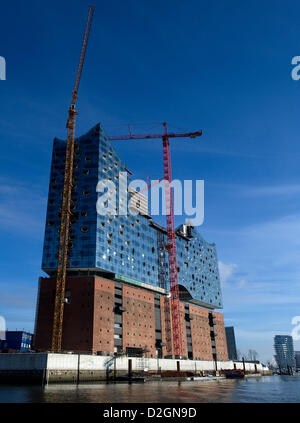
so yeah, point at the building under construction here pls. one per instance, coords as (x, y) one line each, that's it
(117, 291)
(119, 283)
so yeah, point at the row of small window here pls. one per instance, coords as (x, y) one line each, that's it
(194, 256)
(120, 240)
(110, 154)
(60, 147)
(76, 153)
(26, 337)
(83, 229)
(116, 164)
(128, 265)
(84, 193)
(52, 215)
(149, 259)
(24, 345)
(122, 225)
(132, 260)
(122, 218)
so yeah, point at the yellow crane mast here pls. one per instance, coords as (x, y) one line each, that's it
(56, 340)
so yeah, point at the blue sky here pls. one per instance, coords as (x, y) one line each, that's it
(222, 66)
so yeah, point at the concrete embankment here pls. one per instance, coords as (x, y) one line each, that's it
(74, 368)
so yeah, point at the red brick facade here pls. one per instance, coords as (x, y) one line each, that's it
(166, 325)
(221, 345)
(183, 330)
(200, 330)
(138, 319)
(89, 320)
(103, 316)
(78, 332)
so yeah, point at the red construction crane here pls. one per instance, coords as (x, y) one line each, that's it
(171, 246)
(59, 303)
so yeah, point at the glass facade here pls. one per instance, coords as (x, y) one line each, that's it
(297, 360)
(231, 345)
(284, 352)
(131, 246)
(17, 340)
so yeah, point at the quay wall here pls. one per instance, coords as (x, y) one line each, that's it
(58, 368)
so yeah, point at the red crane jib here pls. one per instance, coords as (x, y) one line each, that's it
(149, 136)
(171, 247)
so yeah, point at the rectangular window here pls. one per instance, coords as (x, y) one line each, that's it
(117, 336)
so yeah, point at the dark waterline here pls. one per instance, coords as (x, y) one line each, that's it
(261, 389)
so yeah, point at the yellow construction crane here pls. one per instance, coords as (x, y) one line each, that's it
(56, 340)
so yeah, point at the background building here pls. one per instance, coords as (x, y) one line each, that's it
(17, 340)
(284, 352)
(231, 345)
(118, 271)
(297, 360)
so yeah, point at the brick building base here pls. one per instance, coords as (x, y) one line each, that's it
(104, 316)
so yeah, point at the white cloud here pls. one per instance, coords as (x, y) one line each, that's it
(260, 191)
(226, 271)
(258, 298)
(275, 190)
(242, 282)
(263, 292)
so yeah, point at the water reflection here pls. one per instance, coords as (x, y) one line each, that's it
(153, 392)
(263, 389)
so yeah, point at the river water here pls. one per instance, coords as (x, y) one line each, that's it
(261, 389)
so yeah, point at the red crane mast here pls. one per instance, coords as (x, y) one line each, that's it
(171, 246)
